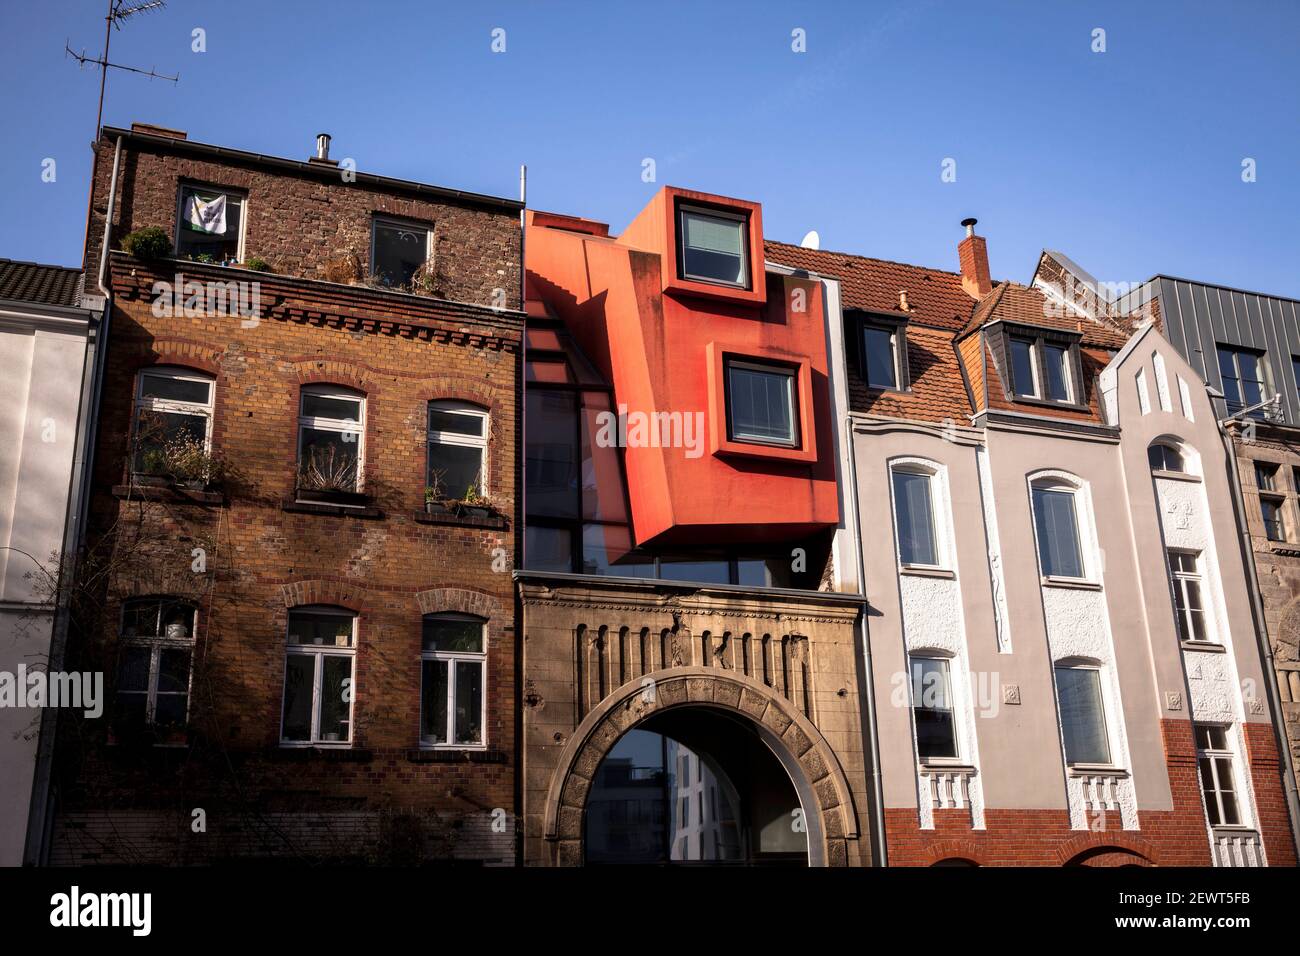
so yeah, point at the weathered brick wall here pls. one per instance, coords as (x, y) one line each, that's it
(263, 559)
(1175, 837)
(300, 222)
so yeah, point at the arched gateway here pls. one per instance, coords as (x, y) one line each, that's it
(764, 693)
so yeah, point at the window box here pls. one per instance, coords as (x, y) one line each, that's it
(492, 521)
(343, 499)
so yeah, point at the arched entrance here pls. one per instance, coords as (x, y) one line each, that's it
(708, 713)
(689, 786)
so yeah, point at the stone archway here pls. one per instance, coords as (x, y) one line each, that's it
(818, 780)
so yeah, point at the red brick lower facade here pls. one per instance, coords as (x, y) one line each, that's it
(1177, 837)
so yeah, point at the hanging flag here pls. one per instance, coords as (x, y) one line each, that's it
(206, 215)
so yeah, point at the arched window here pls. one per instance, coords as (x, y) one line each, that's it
(153, 678)
(919, 513)
(933, 709)
(1163, 456)
(173, 419)
(453, 679)
(331, 440)
(318, 676)
(1057, 529)
(1080, 700)
(458, 446)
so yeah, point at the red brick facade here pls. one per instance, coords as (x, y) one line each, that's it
(383, 797)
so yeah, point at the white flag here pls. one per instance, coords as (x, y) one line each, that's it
(209, 216)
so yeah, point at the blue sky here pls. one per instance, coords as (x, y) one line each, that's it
(1129, 160)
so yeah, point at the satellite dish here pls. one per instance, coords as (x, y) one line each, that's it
(812, 240)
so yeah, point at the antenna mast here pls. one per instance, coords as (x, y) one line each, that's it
(118, 10)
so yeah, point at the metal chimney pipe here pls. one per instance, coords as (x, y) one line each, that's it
(322, 145)
(970, 225)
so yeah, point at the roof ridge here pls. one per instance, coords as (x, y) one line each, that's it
(855, 255)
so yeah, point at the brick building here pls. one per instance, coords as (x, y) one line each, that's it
(303, 517)
(1065, 666)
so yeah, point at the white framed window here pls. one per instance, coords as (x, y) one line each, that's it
(453, 681)
(1165, 457)
(318, 677)
(173, 411)
(210, 225)
(714, 245)
(1081, 703)
(880, 356)
(153, 678)
(331, 439)
(1024, 367)
(761, 403)
(458, 447)
(1042, 368)
(1189, 604)
(1215, 760)
(916, 523)
(397, 250)
(1057, 529)
(933, 709)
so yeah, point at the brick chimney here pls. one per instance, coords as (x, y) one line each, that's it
(974, 258)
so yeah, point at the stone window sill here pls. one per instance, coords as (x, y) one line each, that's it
(492, 521)
(921, 571)
(169, 493)
(1210, 646)
(1095, 770)
(1175, 475)
(1077, 584)
(319, 508)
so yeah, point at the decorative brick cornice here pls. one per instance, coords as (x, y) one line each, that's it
(333, 305)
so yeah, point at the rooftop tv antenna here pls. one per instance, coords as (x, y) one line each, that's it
(118, 10)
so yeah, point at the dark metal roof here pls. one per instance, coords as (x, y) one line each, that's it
(41, 284)
(318, 170)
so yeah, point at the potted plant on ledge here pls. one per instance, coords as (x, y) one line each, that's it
(181, 461)
(329, 476)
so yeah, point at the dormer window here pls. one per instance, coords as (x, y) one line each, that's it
(1044, 368)
(713, 246)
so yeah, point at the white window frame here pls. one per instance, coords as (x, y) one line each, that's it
(319, 652)
(791, 393)
(230, 196)
(452, 658)
(1103, 695)
(1229, 734)
(435, 437)
(343, 426)
(1067, 372)
(683, 209)
(893, 331)
(376, 221)
(939, 524)
(1178, 581)
(151, 403)
(1085, 536)
(157, 643)
(1037, 393)
(954, 708)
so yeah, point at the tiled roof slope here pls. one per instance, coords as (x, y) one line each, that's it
(934, 297)
(42, 284)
